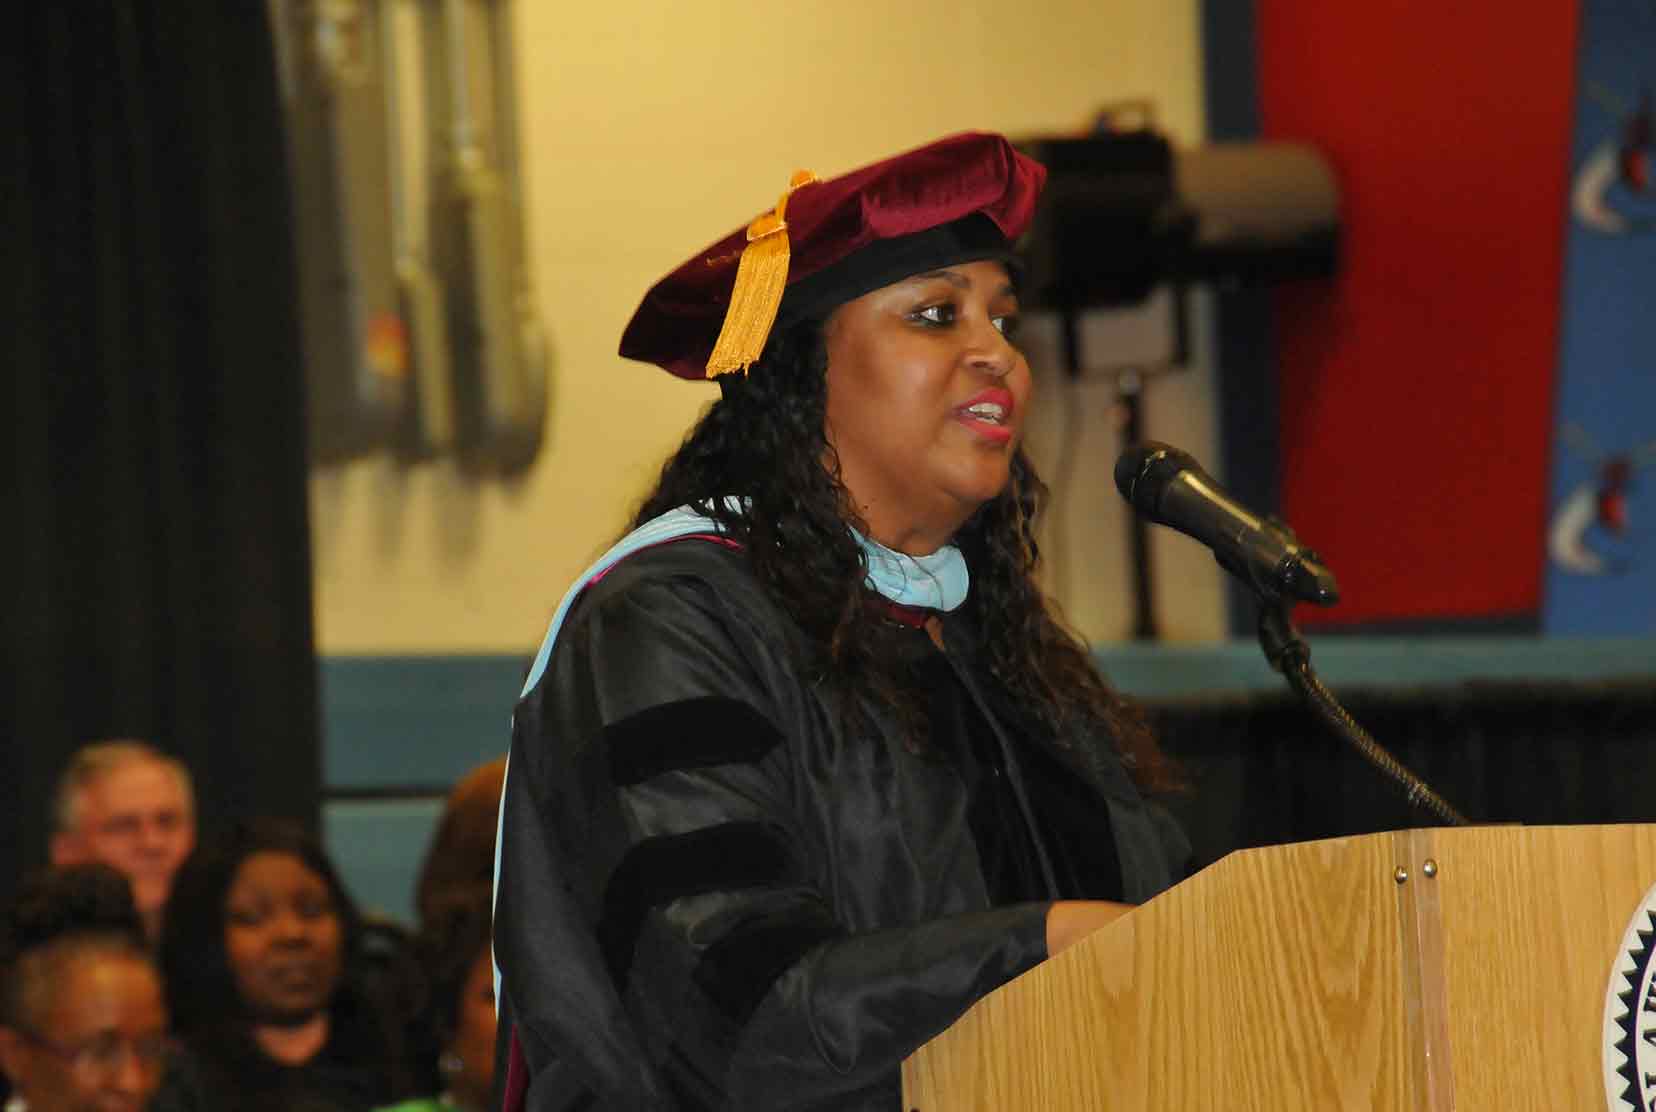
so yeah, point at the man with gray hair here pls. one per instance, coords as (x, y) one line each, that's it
(128, 805)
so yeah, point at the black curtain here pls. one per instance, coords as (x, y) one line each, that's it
(161, 571)
(1267, 772)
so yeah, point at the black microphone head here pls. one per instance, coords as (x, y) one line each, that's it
(1143, 471)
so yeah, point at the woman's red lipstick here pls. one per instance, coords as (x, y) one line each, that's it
(988, 414)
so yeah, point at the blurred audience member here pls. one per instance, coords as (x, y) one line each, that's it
(83, 1025)
(130, 806)
(461, 856)
(453, 952)
(266, 980)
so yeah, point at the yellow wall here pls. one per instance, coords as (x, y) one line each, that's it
(648, 129)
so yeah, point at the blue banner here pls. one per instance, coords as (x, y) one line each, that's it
(1601, 533)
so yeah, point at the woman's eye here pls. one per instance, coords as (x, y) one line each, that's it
(936, 315)
(246, 917)
(315, 909)
(1008, 325)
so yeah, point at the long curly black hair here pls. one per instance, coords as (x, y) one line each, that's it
(764, 440)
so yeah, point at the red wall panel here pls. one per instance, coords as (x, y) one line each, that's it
(1417, 386)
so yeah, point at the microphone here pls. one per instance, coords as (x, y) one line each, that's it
(1169, 487)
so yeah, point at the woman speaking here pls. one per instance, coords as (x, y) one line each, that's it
(806, 765)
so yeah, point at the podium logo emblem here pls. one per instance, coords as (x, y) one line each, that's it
(1630, 1017)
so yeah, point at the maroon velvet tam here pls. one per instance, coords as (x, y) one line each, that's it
(963, 198)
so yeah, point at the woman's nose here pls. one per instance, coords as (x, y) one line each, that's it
(291, 927)
(152, 839)
(133, 1076)
(991, 352)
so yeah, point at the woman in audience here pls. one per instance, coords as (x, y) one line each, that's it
(266, 982)
(458, 863)
(83, 1024)
(453, 951)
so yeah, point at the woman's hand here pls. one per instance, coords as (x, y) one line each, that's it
(1069, 921)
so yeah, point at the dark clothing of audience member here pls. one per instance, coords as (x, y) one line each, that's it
(269, 981)
(344, 1076)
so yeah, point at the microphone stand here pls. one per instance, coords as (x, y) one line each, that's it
(1289, 654)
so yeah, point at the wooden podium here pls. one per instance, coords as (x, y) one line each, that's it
(1426, 969)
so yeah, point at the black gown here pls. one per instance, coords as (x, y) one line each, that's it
(711, 895)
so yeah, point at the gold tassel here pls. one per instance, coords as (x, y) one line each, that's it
(761, 278)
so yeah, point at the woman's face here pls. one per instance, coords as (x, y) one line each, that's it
(283, 937)
(474, 1035)
(98, 1043)
(926, 400)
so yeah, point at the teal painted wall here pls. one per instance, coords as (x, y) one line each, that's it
(398, 731)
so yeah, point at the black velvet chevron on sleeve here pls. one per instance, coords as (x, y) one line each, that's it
(657, 871)
(740, 968)
(687, 734)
